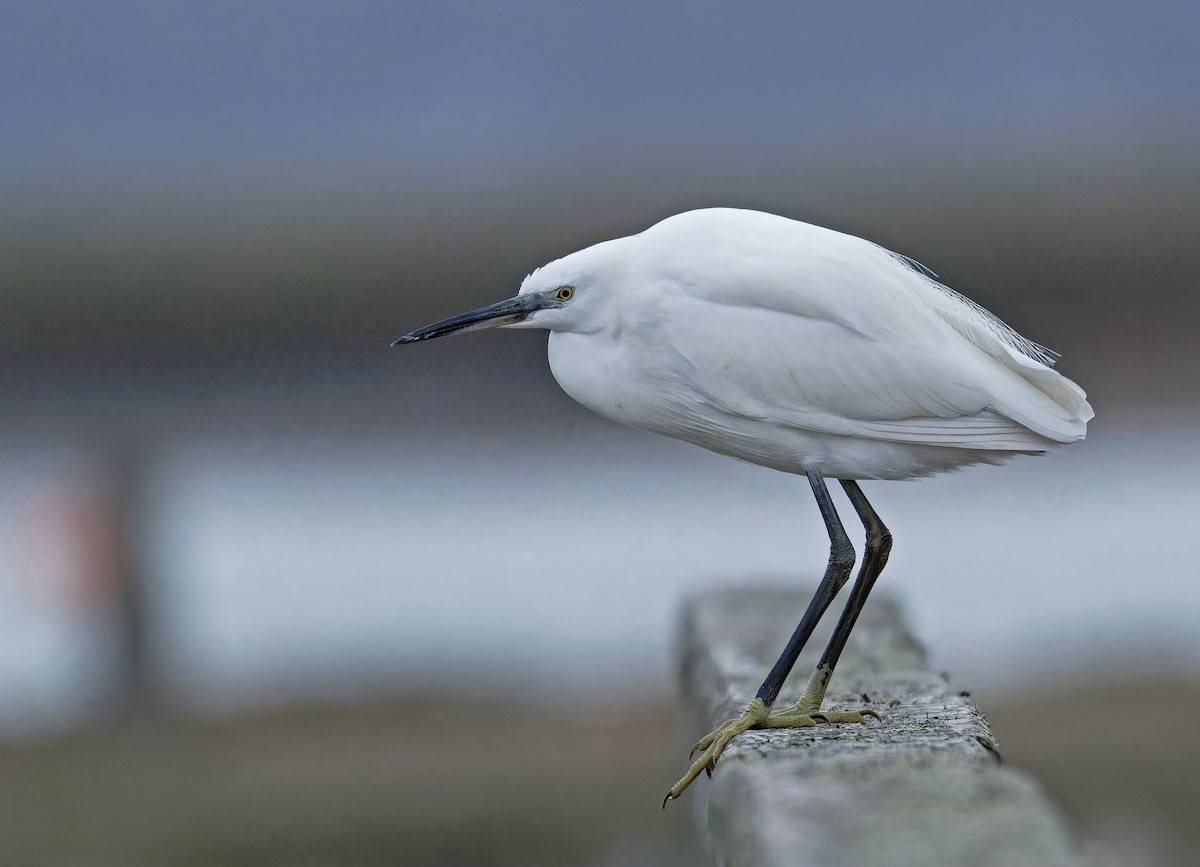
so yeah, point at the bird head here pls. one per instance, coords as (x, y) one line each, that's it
(561, 296)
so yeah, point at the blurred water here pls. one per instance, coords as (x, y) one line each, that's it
(291, 566)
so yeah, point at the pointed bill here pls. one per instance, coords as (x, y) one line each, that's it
(492, 316)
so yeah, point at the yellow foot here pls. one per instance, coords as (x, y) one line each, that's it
(757, 716)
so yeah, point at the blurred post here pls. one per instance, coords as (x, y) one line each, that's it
(125, 498)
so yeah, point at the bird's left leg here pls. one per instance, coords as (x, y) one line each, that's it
(759, 713)
(875, 555)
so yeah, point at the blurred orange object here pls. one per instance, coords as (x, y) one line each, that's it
(78, 551)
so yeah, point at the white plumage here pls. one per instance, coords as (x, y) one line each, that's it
(796, 347)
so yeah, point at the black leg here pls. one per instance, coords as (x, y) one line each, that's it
(841, 561)
(875, 555)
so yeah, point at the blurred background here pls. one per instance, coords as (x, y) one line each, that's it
(272, 592)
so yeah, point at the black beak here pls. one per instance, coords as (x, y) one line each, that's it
(501, 313)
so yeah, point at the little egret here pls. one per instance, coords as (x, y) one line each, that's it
(798, 348)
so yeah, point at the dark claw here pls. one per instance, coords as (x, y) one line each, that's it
(667, 798)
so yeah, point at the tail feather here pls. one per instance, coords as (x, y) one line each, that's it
(1032, 393)
(1043, 400)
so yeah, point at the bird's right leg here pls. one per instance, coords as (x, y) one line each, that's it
(758, 714)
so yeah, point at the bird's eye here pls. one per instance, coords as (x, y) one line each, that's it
(565, 293)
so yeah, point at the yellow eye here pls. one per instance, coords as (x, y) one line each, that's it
(565, 293)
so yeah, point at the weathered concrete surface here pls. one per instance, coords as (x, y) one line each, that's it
(925, 786)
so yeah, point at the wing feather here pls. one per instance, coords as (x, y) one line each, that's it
(842, 336)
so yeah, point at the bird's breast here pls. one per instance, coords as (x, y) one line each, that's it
(597, 371)
(648, 384)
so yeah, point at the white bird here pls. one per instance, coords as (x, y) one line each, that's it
(798, 348)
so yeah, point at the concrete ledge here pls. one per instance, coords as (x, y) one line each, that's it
(923, 787)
